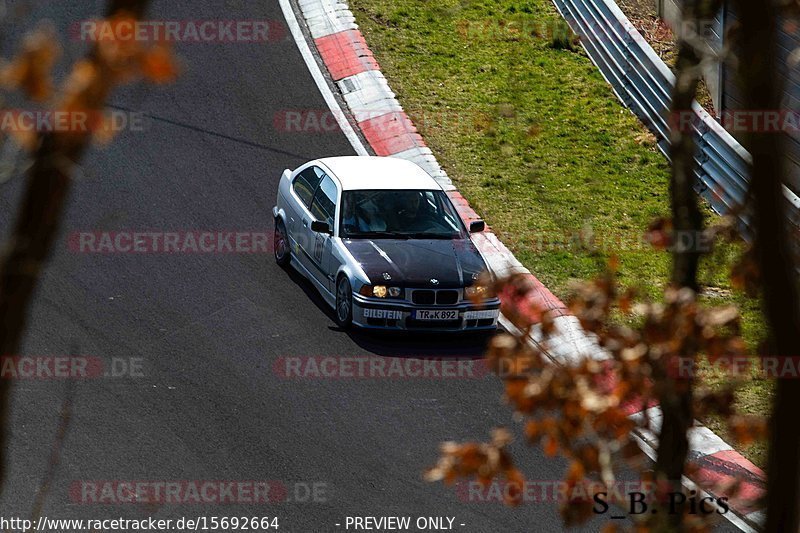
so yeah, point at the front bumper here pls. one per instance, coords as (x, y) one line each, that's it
(389, 315)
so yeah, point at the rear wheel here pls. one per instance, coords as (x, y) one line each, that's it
(344, 303)
(281, 244)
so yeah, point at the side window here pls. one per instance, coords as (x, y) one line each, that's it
(324, 205)
(305, 184)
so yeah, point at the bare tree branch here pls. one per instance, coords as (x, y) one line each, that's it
(42, 207)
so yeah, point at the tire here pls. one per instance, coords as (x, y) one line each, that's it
(344, 303)
(281, 244)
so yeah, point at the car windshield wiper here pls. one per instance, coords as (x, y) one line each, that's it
(378, 234)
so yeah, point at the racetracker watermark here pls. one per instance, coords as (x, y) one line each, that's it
(610, 31)
(171, 242)
(391, 121)
(741, 121)
(62, 367)
(198, 491)
(515, 28)
(589, 239)
(636, 497)
(548, 491)
(764, 367)
(376, 367)
(179, 31)
(47, 120)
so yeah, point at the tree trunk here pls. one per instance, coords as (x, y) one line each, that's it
(676, 394)
(757, 50)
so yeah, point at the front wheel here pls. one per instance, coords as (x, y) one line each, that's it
(344, 303)
(281, 244)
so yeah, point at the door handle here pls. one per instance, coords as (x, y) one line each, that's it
(305, 223)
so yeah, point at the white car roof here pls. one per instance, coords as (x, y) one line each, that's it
(369, 172)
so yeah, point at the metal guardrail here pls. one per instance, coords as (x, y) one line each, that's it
(643, 82)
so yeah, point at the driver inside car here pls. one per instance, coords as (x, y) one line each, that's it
(411, 214)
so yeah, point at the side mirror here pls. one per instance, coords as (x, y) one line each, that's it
(319, 226)
(477, 226)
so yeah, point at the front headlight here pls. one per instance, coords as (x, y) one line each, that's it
(476, 291)
(380, 291)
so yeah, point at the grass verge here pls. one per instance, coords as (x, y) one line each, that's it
(534, 137)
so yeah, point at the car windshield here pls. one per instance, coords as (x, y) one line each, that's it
(399, 214)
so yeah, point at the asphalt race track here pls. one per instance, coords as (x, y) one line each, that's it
(207, 329)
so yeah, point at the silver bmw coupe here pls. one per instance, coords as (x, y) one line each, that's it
(383, 244)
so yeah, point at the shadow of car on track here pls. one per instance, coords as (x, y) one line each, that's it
(400, 344)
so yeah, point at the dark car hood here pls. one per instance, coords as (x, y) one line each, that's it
(415, 262)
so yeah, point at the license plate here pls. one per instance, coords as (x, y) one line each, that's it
(436, 314)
